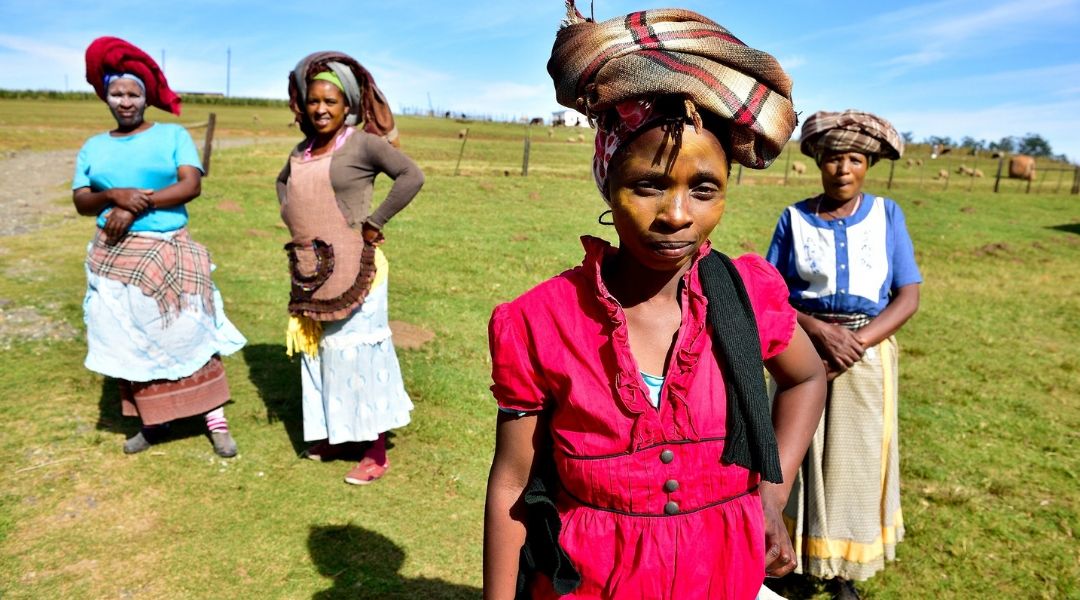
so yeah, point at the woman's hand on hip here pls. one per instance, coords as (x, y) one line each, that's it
(116, 224)
(373, 235)
(131, 199)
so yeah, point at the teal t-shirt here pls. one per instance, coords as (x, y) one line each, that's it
(146, 160)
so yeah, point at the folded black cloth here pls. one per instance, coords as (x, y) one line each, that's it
(751, 441)
(542, 552)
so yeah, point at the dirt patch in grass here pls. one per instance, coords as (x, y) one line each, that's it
(994, 249)
(409, 336)
(25, 323)
(34, 183)
(230, 206)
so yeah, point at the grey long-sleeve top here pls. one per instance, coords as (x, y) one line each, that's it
(353, 169)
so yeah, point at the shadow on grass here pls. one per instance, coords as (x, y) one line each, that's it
(277, 377)
(112, 419)
(365, 564)
(1067, 228)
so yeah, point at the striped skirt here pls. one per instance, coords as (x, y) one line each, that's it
(844, 511)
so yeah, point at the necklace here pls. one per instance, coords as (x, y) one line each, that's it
(833, 213)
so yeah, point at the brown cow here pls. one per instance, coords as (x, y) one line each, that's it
(1022, 167)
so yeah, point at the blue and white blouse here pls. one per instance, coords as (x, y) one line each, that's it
(849, 265)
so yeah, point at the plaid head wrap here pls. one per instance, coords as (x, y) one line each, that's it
(598, 67)
(107, 56)
(367, 104)
(850, 131)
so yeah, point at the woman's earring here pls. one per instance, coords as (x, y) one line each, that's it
(601, 220)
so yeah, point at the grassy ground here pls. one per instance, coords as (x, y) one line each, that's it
(989, 410)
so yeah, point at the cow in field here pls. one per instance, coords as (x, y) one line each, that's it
(798, 167)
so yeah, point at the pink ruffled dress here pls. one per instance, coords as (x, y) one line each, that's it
(648, 508)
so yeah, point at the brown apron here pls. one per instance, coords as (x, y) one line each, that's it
(332, 267)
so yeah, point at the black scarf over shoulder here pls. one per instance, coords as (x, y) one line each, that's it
(751, 441)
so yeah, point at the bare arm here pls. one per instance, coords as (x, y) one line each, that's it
(188, 186)
(516, 442)
(901, 308)
(797, 407)
(90, 204)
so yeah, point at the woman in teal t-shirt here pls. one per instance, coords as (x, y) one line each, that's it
(154, 319)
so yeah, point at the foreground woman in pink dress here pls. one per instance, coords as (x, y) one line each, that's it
(631, 389)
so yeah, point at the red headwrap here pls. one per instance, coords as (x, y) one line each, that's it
(107, 55)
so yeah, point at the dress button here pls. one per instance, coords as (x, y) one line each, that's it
(667, 456)
(671, 508)
(671, 485)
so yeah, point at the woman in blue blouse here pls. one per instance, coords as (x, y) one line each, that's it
(154, 319)
(850, 268)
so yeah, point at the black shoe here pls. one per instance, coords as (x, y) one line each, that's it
(844, 589)
(147, 436)
(224, 444)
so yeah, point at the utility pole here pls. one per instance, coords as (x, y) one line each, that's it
(228, 70)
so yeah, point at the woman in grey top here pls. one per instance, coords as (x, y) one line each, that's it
(352, 386)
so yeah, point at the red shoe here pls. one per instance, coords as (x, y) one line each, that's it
(325, 451)
(366, 471)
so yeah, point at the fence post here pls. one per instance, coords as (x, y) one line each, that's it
(525, 158)
(1061, 176)
(997, 179)
(208, 143)
(461, 153)
(948, 172)
(787, 163)
(892, 167)
(974, 166)
(1030, 177)
(1076, 181)
(738, 177)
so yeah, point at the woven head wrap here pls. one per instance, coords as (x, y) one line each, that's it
(850, 131)
(367, 104)
(612, 70)
(108, 57)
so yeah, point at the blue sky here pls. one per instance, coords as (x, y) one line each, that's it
(984, 68)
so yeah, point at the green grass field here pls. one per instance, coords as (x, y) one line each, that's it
(989, 412)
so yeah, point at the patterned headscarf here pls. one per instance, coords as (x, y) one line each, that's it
(598, 67)
(367, 104)
(850, 131)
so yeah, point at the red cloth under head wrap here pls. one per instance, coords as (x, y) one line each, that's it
(113, 55)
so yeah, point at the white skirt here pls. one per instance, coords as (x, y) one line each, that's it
(353, 390)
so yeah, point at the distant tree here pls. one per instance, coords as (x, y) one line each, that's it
(1004, 145)
(1034, 144)
(909, 136)
(937, 139)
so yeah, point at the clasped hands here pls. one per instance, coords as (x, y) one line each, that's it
(840, 348)
(127, 204)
